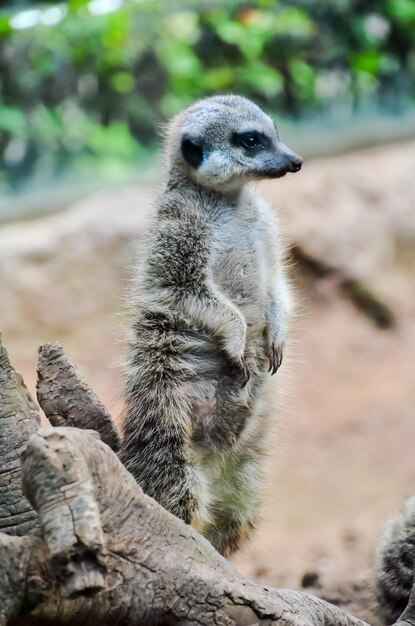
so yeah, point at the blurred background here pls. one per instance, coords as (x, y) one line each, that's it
(85, 90)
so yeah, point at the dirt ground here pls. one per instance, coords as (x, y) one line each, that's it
(342, 455)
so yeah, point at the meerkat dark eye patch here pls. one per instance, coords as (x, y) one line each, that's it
(251, 140)
(192, 153)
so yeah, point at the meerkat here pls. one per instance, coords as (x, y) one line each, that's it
(395, 564)
(210, 311)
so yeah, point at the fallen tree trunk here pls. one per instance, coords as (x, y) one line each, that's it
(102, 552)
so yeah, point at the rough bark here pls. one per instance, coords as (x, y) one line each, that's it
(18, 420)
(100, 533)
(105, 553)
(66, 398)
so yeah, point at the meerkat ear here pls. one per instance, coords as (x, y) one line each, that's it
(192, 152)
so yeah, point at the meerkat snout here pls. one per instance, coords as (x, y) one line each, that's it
(293, 162)
(282, 161)
(225, 141)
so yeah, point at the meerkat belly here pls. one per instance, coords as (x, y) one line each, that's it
(229, 421)
(240, 271)
(224, 411)
(226, 416)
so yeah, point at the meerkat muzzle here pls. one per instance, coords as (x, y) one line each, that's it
(290, 161)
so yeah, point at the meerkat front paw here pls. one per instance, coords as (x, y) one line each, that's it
(274, 350)
(243, 372)
(234, 345)
(274, 354)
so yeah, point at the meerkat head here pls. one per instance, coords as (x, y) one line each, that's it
(224, 141)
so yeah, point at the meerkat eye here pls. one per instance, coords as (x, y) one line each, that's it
(192, 152)
(250, 140)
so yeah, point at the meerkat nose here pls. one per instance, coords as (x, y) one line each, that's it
(292, 162)
(296, 163)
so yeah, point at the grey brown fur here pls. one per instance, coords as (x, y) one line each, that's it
(395, 567)
(210, 317)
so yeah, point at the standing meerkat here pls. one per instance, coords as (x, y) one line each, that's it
(210, 320)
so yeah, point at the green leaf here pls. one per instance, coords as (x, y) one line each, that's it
(217, 79)
(302, 73)
(260, 77)
(123, 82)
(184, 26)
(114, 139)
(13, 120)
(304, 77)
(368, 62)
(5, 28)
(180, 59)
(75, 5)
(402, 10)
(294, 22)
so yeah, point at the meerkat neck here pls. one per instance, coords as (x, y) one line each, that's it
(177, 181)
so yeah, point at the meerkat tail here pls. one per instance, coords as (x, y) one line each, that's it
(395, 567)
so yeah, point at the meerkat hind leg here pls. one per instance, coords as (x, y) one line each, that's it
(235, 508)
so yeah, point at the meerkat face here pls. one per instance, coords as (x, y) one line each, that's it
(224, 141)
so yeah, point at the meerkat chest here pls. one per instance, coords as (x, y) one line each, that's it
(239, 260)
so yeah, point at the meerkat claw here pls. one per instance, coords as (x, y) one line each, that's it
(246, 377)
(275, 359)
(277, 363)
(244, 373)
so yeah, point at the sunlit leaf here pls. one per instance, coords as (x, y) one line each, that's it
(113, 139)
(76, 5)
(304, 77)
(368, 62)
(261, 78)
(403, 10)
(218, 79)
(294, 22)
(123, 82)
(5, 27)
(184, 26)
(13, 120)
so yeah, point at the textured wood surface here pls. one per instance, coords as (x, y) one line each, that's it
(102, 551)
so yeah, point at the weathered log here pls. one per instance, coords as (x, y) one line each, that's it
(105, 553)
(119, 558)
(66, 398)
(18, 420)
(57, 482)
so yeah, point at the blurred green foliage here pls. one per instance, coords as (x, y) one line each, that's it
(88, 84)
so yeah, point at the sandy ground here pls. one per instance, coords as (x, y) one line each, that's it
(342, 456)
